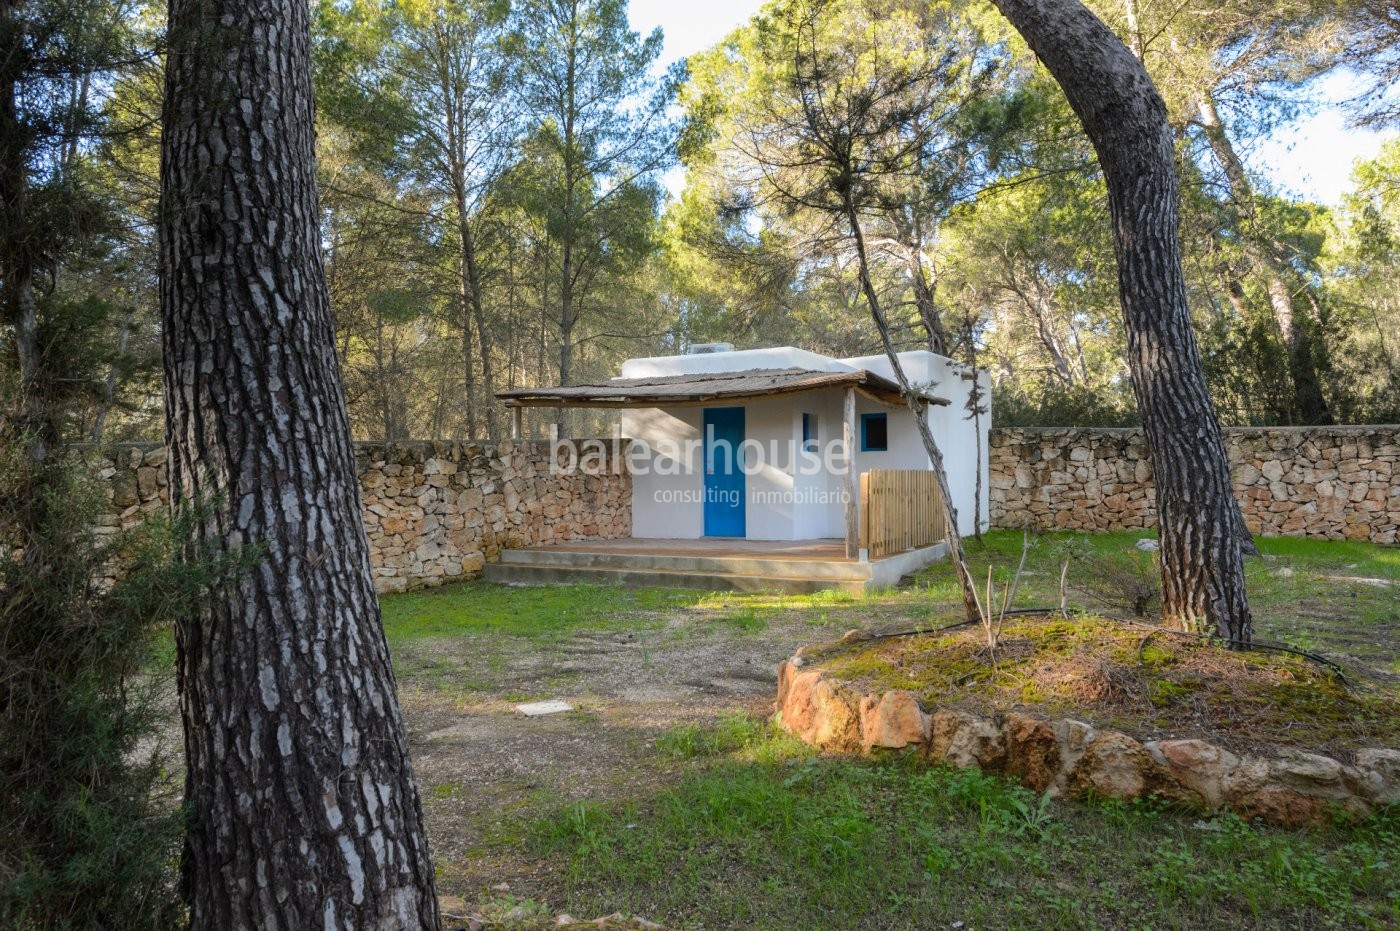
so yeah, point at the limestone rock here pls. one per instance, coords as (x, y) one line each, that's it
(962, 740)
(892, 721)
(1114, 766)
(1310, 774)
(1032, 750)
(836, 720)
(1200, 767)
(823, 713)
(1379, 775)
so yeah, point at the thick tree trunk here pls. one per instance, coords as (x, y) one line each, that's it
(1201, 525)
(1309, 406)
(303, 809)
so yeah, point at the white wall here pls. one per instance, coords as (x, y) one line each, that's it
(671, 505)
(952, 428)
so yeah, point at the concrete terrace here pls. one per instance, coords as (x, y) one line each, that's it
(710, 563)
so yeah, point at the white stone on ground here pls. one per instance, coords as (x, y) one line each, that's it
(534, 709)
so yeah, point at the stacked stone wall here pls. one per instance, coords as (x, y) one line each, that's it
(1327, 482)
(436, 511)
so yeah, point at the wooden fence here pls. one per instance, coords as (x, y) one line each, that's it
(900, 510)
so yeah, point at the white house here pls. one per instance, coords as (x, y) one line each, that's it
(753, 443)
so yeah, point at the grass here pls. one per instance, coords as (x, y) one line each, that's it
(1111, 675)
(474, 609)
(1300, 589)
(748, 828)
(763, 834)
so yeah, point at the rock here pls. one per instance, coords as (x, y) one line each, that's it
(823, 713)
(892, 721)
(1074, 737)
(1114, 766)
(1281, 805)
(797, 707)
(836, 721)
(1198, 766)
(962, 740)
(1147, 546)
(1032, 750)
(1310, 774)
(147, 482)
(1379, 772)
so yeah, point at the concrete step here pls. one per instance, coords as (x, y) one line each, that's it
(704, 565)
(511, 573)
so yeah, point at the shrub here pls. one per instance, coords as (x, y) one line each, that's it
(88, 810)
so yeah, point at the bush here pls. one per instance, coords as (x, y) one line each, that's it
(88, 807)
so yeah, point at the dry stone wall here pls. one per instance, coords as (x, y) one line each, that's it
(1329, 482)
(1067, 757)
(436, 511)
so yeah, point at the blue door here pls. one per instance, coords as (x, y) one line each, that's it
(724, 474)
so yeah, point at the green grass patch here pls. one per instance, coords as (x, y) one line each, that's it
(733, 732)
(538, 612)
(770, 836)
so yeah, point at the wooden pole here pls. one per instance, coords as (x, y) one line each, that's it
(848, 434)
(517, 422)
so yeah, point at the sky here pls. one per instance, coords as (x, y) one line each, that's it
(1311, 157)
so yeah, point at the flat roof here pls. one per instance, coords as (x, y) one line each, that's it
(695, 389)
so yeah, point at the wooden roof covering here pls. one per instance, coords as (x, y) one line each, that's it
(683, 390)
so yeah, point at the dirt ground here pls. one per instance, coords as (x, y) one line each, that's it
(482, 765)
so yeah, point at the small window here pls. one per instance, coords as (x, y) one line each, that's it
(874, 433)
(809, 433)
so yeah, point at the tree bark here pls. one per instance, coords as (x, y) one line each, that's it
(1201, 526)
(303, 809)
(17, 297)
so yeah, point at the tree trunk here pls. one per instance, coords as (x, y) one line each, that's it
(925, 289)
(109, 383)
(472, 275)
(464, 302)
(16, 254)
(32, 422)
(303, 809)
(1201, 525)
(566, 330)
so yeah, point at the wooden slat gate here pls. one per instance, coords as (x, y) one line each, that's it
(900, 510)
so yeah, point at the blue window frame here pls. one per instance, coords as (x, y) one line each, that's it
(809, 433)
(874, 433)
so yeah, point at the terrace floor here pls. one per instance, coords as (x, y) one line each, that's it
(711, 563)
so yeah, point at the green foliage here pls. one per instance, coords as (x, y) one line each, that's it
(87, 799)
(732, 733)
(769, 836)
